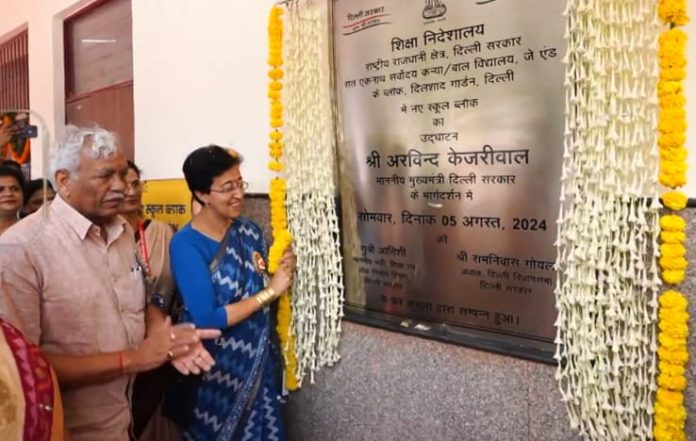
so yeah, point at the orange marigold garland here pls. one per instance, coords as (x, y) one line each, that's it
(279, 222)
(673, 12)
(669, 409)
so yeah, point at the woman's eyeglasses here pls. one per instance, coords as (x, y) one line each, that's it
(231, 186)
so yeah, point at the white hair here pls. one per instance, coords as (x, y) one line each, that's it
(65, 154)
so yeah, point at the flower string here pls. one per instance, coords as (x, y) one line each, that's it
(608, 277)
(670, 413)
(668, 406)
(310, 152)
(277, 194)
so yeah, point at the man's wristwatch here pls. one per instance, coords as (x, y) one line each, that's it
(157, 300)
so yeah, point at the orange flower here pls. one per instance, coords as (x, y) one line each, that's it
(673, 12)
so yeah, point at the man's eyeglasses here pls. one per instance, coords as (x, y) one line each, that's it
(231, 186)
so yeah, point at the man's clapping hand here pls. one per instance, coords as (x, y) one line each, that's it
(180, 344)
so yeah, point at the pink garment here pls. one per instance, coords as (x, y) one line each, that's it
(72, 292)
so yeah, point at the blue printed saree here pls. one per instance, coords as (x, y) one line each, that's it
(238, 400)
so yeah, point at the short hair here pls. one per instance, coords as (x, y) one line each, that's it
(135, 168)
(33, 186)
(205, 164)
(14, 172)
(65, 154)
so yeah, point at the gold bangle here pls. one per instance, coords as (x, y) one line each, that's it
(271, 291)
(263, 297)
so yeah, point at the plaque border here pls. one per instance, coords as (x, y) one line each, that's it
(502, 344)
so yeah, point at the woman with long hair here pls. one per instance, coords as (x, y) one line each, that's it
(11, 196)
(36, 192)
(152, 239)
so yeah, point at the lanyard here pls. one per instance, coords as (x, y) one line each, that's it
(143, 249)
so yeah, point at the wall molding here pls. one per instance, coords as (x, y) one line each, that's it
(691, 203)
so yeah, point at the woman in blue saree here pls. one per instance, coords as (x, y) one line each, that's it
(218, 262)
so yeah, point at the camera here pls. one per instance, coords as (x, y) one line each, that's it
(27, 131)
(18, 125)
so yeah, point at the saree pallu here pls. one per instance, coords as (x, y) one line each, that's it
(30, 405)
(239, 399)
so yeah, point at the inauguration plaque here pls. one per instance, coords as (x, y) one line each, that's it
(450, 143)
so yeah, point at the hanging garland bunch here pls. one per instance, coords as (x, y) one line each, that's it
(608, 273)
(310, 165)
(277, 194)
(670, 413)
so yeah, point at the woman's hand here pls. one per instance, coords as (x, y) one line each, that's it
(284, 277)
(281, 281)
(289, 259)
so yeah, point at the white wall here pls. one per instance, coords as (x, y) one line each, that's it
(199, 69)
(199, 78)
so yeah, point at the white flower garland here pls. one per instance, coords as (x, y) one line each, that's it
(608, 225)
(310, 154)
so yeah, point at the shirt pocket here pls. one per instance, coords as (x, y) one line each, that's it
(69, 312)
(130, 290)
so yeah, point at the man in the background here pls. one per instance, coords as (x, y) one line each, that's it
(71, 282)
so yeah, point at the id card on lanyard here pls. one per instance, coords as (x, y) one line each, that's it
(143, 249)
